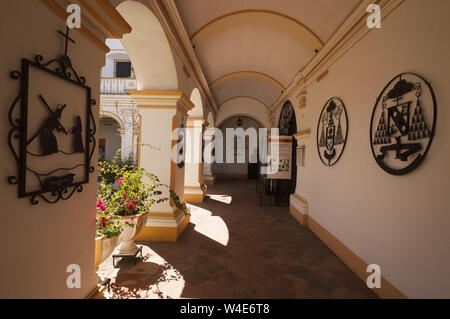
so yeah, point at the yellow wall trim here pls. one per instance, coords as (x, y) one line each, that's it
(114, 15)
(96, 293)
(62, 14)
(159, 99)
(169, 234)
(100, 19)
(353, 261)
(302, 133)
(194, 198)
(298, 215)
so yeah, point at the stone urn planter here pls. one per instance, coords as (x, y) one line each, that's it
(104, 247)
(126, 238)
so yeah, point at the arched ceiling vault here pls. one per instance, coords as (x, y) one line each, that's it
(260, 19)
(244, 97)
(242, 74)
(271, 40)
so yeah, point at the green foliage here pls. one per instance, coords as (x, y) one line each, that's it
(110, 176)
(104, 225)
(132, 192)
(126, 190)
(178, 204)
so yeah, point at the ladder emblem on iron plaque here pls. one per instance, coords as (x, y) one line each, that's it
(332, 131)
(403, 124)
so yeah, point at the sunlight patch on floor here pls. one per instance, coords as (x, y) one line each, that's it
(151, 278)
(213, 227)
(221, 198)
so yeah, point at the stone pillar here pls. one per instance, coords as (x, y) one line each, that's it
(160, 114)
(124, 144)
(194, 188)
(299, 207)
(208, 168)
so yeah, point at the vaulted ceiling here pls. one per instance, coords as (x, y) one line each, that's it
(254, 48)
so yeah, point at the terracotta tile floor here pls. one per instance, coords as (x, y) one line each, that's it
(236, 249)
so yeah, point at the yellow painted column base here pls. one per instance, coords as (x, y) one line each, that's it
(209, 180)
(195, 194)
(301, 218)
(164, 228)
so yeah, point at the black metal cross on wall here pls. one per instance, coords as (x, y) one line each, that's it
(66, 35)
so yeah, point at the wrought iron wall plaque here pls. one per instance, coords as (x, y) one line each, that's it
(403, 123)
(52, 137)
(332, 131)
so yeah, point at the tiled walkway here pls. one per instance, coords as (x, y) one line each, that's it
(237, 249)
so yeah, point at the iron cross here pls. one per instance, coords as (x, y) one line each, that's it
(66, 35)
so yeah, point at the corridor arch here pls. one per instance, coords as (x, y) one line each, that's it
(148, 48)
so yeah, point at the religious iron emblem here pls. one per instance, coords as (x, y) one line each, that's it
(181, 144)
(56, 137)
(332, 131)
(403, 123)
(287, 123)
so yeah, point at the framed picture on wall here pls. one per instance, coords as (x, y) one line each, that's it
(52, 135)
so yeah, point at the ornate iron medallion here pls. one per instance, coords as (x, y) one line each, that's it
(403, 123)
(286, 116)
(52, 140)
(332, 131)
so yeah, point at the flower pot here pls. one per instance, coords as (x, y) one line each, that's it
(108, 245)
(126, 238)
(103, 248)
(98, 251)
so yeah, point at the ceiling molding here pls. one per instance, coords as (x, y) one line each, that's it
(245, 97)
(92, 30)
(350, 32)
(111, 11)
(257, 11)
(169, 17)
(271, 78)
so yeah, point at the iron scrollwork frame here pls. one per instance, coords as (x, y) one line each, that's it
(62, 69)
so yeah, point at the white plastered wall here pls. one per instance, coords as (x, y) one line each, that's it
(398, 222)
(39, 242)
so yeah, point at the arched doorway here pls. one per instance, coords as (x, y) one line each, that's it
(110, 138)
(288, 126)
(249, 168)
(278, 191)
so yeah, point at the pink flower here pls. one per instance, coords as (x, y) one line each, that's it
(120, 180)
(101, 205)
(125, 195)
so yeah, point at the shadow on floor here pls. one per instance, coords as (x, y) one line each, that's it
(248, 252)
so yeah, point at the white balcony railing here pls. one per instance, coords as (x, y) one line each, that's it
(117, 85)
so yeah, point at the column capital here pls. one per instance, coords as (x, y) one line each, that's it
(196, 123)
(162, 100)
(302, 135)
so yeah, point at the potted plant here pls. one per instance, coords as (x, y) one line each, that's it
(127, 200)
(107, 234)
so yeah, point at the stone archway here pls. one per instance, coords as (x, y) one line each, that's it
(110, 136)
